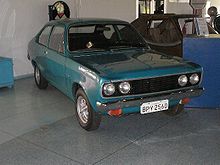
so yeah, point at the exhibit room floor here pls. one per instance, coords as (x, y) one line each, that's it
(39, 127)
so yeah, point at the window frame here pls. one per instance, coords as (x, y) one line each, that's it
(38, 37)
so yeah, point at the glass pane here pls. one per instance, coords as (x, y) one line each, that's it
(82, 29)
(44, 36)
(57, 39)
(162, 31)
(103, 36)
(108, 33)
(187, 26)
(128, 36)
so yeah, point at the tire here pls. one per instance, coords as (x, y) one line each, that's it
(176, 110)
(88, 119)
(40, 81)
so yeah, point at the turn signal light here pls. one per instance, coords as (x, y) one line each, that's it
(185, 101)
(116, 112)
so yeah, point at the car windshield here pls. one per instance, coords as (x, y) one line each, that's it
(103, 36)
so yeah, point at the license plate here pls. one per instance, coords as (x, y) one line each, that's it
(154, 106)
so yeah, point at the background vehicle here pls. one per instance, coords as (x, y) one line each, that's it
(165, 32)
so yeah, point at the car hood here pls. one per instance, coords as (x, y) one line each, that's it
(133, 64)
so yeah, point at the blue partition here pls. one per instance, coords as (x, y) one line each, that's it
(6, 72)
(206, 52)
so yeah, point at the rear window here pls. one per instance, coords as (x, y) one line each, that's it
(57, 39)
(44, 36)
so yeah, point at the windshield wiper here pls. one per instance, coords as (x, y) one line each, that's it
(91, 50)
(128, 45)
(139, 44)
(120, 47)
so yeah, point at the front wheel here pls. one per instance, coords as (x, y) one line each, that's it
(173, 111)
(40, 81)
(87, 117)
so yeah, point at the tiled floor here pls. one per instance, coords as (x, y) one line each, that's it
(39, 127)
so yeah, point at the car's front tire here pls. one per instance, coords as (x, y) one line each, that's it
(87, 117)
(40, 81)
(175, 110)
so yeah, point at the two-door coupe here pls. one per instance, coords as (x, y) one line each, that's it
(165, 32)
(106, 67)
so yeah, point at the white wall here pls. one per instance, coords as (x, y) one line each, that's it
(119, 9)
(178, 8)
(183, 8)
(21, 19)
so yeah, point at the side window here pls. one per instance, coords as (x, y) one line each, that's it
(108, 33)
(44, 36)
(57, 39)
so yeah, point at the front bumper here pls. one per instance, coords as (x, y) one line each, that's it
(137, 102)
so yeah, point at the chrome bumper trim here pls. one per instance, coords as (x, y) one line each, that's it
(137, 102)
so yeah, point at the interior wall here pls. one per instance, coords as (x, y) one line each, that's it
(178, 8)
(183, 7)
(119, 9)
(21, 19)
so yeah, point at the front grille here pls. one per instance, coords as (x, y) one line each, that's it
(153, 85)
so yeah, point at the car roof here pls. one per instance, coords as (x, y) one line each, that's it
(86, 21)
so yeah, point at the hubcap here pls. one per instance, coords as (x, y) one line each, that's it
(37, 75)
(82, 109)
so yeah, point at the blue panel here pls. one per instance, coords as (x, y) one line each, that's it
(6, 72)
(206, 52)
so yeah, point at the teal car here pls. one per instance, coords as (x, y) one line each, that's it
(106, 67)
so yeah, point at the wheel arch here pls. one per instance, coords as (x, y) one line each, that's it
(33, 63)
(75, 87)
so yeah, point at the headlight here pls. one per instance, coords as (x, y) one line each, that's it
(125, 87)
(194, 79)
(182, 80)
(109, 89)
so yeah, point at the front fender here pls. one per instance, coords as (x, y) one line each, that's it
(80, 76)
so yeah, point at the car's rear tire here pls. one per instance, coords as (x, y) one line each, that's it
(40, 81)
(86, 116)
(175, 110)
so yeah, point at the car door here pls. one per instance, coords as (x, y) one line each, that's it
(42, 49)
(56, 58)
